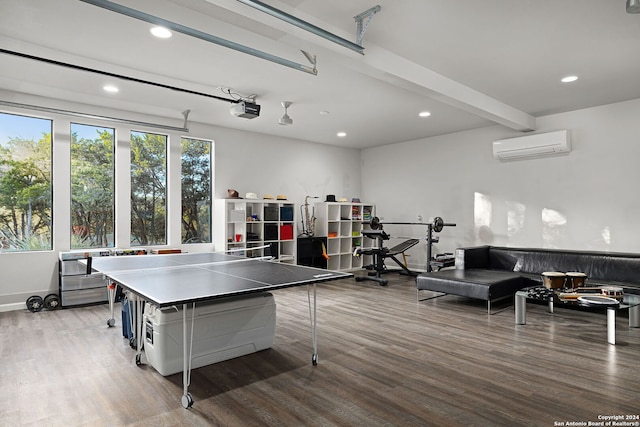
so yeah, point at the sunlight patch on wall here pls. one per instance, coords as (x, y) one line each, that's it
(515, 218)
(482, 211)
(606, 235)
(553, 227)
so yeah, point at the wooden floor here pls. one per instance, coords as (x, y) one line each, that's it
(385, 360)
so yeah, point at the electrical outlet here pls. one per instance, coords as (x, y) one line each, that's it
(419, 218)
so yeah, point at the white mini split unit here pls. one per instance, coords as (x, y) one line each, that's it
(535, 145)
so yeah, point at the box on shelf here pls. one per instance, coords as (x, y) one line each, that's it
(286, 213)
(270, 213)
(270, 232)
(286, 232)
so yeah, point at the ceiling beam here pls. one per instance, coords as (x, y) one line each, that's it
(401, 72)
(392, 68)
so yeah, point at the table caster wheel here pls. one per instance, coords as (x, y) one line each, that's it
(111, 322)
(138, 361)
(187, 401)
(383, 283)
(358, 279)
(314, 359)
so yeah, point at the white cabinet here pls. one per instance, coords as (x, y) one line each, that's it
(243, 224)
(342, 224)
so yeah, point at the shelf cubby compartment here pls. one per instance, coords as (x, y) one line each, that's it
(333, 246)
(345, 262)
(255, 253)
(345, 229)
(286, 231)
(345, 212)
(334, 263)
(333, 229)
(333, 213)
(345, 246)
(270, 232)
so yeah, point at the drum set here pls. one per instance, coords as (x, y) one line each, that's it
(572, 285)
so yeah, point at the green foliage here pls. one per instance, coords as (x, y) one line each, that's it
(25, 194)
(92, 190)
(196, 191)
(148, 188)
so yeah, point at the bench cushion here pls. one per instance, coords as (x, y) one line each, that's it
(482, 284)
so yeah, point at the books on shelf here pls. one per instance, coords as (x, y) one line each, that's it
(366, 213)
(355, 212)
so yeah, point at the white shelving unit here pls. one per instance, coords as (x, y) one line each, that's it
(342, 223)
(242, 224)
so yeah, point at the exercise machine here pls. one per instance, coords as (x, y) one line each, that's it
(380, 253)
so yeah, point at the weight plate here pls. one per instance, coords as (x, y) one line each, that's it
(375, 223)
(51, 301)
(438, 224)
(35, 303)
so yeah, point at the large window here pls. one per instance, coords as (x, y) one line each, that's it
(148, 189)
(196, 191)
(25, 183)
(92, 187)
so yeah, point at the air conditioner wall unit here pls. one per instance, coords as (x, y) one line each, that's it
(535, 145)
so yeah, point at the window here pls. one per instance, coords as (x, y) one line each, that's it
(92, 186)
(196, 191)
(25, 183)
(148, 189)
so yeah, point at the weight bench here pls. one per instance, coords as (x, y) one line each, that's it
(380, 253)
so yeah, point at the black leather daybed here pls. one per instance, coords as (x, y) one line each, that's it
(491, 273)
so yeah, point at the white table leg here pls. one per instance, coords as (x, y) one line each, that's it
(138, 327)
(611, 326)
(187, 399)
(314, 326)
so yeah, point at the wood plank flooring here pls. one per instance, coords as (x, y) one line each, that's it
(385, 359)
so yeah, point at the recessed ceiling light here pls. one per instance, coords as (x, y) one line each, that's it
(569, 79)
(161, 32)
(341, 134)
(424, 114)
(110, 88)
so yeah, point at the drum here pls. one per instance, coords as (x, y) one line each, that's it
(614, 292)
(553, 279)
(576, 279)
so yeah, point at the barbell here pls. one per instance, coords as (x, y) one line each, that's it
(437, 225)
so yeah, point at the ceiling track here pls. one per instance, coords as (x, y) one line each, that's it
(118, 76)
(277, 13)
(142, 16)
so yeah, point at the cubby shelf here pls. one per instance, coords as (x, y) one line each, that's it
(342, 224)
(242, 224)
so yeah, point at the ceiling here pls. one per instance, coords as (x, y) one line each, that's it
(470, 63)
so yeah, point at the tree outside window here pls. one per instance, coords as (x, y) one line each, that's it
(92, 186)
(148, 189)
(25, 183)
(196, 191)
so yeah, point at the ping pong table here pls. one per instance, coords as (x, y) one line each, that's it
(186, 279)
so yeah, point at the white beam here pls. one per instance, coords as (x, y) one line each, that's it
(389, 67)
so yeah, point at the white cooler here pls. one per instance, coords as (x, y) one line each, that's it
(222, 330)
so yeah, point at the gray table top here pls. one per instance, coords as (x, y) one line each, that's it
(167, 280)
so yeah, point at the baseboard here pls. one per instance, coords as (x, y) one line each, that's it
(13, 307)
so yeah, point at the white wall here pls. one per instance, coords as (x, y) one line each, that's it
(593, 188)
(590, 193)
(244, 161)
